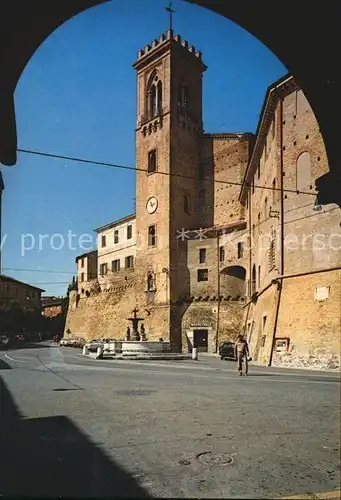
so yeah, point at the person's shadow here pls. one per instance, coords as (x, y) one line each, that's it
(51, 457)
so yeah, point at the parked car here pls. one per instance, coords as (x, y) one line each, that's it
(226, 350)
(94, 344)
(78, 342)
(4, 341)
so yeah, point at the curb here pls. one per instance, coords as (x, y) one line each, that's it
(143, 357)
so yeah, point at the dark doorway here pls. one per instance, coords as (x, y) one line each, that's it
(200, 340)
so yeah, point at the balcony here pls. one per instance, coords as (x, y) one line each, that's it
(152, 115)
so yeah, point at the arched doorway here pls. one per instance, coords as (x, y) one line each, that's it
(26, 26)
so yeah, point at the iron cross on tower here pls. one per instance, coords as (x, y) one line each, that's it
(171, 12)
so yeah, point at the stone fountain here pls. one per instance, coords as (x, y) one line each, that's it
(137, 346)
(135, 336)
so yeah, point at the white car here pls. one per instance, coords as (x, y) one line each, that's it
(4, 341)
(65, 342)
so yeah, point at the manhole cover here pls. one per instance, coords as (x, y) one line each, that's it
(220, 459)
(184, 462)
(133, 392)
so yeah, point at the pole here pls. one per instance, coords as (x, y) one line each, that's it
(280, 284)
(218, 293)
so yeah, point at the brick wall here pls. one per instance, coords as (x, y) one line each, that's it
(313, 327)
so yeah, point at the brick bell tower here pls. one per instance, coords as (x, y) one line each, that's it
(168, 141)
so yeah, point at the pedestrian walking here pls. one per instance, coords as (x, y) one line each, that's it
(242, 355)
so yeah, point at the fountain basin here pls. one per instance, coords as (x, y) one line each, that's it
(138, 347)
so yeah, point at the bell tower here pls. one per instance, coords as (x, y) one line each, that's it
(168, 141)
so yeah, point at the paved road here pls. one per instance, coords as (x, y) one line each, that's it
(73, 426)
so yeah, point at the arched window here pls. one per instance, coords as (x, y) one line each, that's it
(265, 208)
(303, 172)
(154, 96)
(153, 102)
(253, 280)
(150, 282)
(159, 97)
(183, 96)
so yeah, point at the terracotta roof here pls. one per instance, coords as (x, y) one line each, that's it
(87, 254)
(4, 277)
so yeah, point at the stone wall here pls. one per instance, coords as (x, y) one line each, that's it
(104, 314)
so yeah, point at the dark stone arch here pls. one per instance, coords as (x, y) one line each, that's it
(25, 25)
(232, 281)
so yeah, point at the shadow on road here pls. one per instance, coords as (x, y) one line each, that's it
(52, 457)
(4, 365)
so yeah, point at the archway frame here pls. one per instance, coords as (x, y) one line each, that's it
(25, 25)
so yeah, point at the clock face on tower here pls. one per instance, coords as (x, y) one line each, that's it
(152, 204)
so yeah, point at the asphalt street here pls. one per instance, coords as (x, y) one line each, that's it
(74, 426)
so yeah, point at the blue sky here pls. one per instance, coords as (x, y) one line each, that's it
(77, 97)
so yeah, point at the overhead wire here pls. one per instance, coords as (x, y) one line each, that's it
(170, 174)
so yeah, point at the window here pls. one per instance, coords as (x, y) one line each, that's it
(221, 254)
(186, 204)
(253, 281)
(150, 282)
(159, 97)
(129, 262)
(183, 97)
(258, 171)
(272, 255)
(104, 240)
(154, 96)
(303, 172)
(202, 255)
(265, 208)
(116, 236)
(258, 218)
(240, 249)
(115, 265)
(103, 269)
(253, 186)
(202, 274)
(152, 161)
(274, 192)
(82, 276)
(152, 236)
(82, 263)
(129, 232)
(258, 277)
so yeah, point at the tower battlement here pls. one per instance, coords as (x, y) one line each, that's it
(165, 38)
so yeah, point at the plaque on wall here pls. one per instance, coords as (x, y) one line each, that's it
(321, 293)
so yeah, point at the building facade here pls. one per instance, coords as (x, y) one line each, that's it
(27, 297)
(194, 264)
(294, 259)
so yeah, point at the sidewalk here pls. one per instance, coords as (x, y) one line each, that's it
(213, 360)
